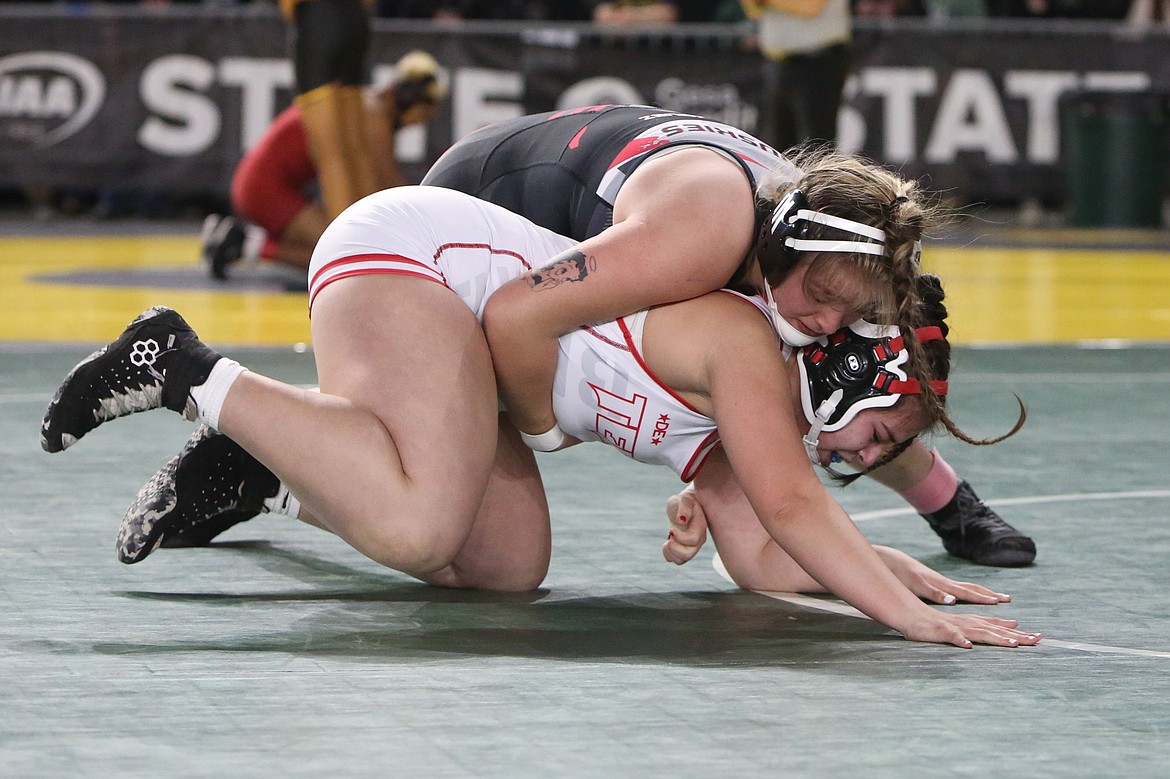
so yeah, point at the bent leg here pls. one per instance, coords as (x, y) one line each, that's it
(906, 470)
(967, 526)
(511, 542)
(298, 240)
(393, 454)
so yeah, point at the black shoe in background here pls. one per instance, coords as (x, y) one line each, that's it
(971, 530)
(223, 244)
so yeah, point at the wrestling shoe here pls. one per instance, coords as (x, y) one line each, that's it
(154, 363)
(223, 244)
(208, 487)
(971, 530)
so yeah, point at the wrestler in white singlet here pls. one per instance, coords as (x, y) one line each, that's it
(603, 389)
(468, 245)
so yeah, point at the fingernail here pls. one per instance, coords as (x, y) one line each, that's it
(681, 519)
(949, 600)
(670, 536)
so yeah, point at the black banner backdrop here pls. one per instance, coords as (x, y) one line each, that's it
(131, 100)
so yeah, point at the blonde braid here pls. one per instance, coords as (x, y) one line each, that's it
(904, 228)
(853, 188)
(936, 365)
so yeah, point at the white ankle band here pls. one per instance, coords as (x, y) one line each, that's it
(209, 395)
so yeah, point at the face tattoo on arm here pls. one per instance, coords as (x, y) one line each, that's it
(573, 266)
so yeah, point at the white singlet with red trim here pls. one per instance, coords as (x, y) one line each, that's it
(470, 246)
(605, 391)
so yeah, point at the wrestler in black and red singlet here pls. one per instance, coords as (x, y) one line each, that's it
(563, 169)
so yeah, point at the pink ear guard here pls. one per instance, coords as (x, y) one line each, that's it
(858, 367)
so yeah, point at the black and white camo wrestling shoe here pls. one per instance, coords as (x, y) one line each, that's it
(208, 487)
(154, 363)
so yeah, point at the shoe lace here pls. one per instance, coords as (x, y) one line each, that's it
(976, 518)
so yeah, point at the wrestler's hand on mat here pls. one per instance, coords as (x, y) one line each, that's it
(688, 527)
(929, 584)
(966, 630)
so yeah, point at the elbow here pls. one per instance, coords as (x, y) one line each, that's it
(509, 313)
(789, 513)
(498, 311)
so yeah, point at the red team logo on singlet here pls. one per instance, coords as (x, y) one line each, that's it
(618, 419)
(660, 428)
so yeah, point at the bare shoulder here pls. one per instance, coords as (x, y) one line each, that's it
(692, 180)
(717, 320)
(694, 162)
(689, 343)
(693, 206)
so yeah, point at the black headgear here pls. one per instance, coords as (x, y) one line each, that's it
(864, 363)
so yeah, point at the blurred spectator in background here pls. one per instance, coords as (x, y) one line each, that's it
(728, 11)
(956, 9)
(330, 39)
(270, 183)
(1059, 9)
(635, 12)
(706, 11)
(1147, 12)
(887, 9)
(454, 10)
(558, 10)
(805, 44)
(618, 12)
(413, 9)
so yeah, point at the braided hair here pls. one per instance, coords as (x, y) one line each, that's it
(881, 287)
(934, 365)
(850, 187)
(937, 359)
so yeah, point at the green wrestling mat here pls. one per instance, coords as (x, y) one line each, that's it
(282, 652)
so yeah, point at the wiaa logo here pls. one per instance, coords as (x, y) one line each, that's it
(47, 96)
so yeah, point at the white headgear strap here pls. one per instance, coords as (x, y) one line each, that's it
(838, 222)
